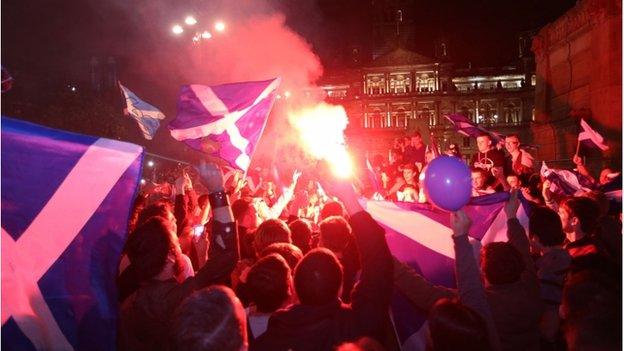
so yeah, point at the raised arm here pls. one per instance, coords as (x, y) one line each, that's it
(516, 236)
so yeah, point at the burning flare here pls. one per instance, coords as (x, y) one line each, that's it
(321, 131)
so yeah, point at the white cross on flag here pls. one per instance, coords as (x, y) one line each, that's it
(224, 120)
(65, 204)
(591, 137)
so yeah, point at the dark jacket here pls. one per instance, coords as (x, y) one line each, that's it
(303, 327)
(146, 314)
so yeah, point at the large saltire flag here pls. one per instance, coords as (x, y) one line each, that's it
(464, 126)
(147, 116)
(226, 120)
(565, 182)
(420, 236)
(591, 137)
(66, 200)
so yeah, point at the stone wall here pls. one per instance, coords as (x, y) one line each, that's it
(579, 68)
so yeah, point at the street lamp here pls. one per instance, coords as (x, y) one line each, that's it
(177, 29)
(219, 26)
(190, 20)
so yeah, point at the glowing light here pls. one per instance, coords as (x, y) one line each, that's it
(287, 94)
(143, 182)
(190, 20)
(206, 35)
(150, 163)
(177, 29)
(219, 26)
(321, 131)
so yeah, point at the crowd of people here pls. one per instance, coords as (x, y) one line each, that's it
(226, 262)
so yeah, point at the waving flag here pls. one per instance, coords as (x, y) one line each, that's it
(565, 182)
(65, 204)
(420, 236)
(224, 120)
(146, 115)
(591, 137)
(466, 127)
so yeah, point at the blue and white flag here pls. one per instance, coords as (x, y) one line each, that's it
(420, 236)
(564, 182)
(591, 138)
(146, 115)
(463, 125)
(226, 120)
(66, 200)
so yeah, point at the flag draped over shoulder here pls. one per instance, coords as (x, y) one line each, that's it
(66, 200)
(420, 236)
(146, 115)
(591, 137)
(224, 120)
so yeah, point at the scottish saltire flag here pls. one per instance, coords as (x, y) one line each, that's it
(420, 236)
(147, 116)
(566, 182)
(7, 80)
(591, 138)
(226, 120)
(65, 205)
(464, 126)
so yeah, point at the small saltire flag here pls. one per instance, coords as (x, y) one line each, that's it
(66, 200)
(463, 125)
(420, 236)
(147, 116)
(7, 80)
(565, 182)
(226, 120)
(591, 137)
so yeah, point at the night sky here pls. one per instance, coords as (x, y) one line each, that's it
(60, 36)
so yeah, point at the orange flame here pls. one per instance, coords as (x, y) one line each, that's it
(321, 131)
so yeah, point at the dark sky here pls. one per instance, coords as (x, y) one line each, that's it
(58, 37)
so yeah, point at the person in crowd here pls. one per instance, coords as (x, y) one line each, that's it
(154, 252)
(333, 208)
(479, 182)
(415, 150)
(453, 150)
(552, 263)
(320, 321)
(269, 288)
(336, 235)
(301, 231)
(209, 319)
(511, 285)
(514, 181)
(591, 308)
(409, 178)
(491, 160)
(269, 232)
(291, 253)
(247, 222)
(519, 161)
(454, 326)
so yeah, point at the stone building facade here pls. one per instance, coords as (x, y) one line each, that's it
(402, 91)
(578, 75)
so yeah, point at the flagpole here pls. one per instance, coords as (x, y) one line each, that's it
(578, 144)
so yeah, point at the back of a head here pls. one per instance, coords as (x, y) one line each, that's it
(335, 233)
(240, 208)
(318, 277)
(148, 247)
(268, 283)
(289, 252)
(545, 224)
(301, 232)
(209, 319)
(585, 209)
(332, 208)
(501, 263)
(592, 310)
(154, 210)
(269, 232)
(454, 326)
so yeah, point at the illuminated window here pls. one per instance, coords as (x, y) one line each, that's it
(375, 84)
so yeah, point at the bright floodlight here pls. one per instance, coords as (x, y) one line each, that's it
(206, 35)
(177, 29)
(150, 163)
(219, 26)
(190, 20)
(143, 181)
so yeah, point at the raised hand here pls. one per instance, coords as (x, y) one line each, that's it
(460, 223)
(211, 176)
(512, 205)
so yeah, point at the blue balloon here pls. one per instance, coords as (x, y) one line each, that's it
(448, 184)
